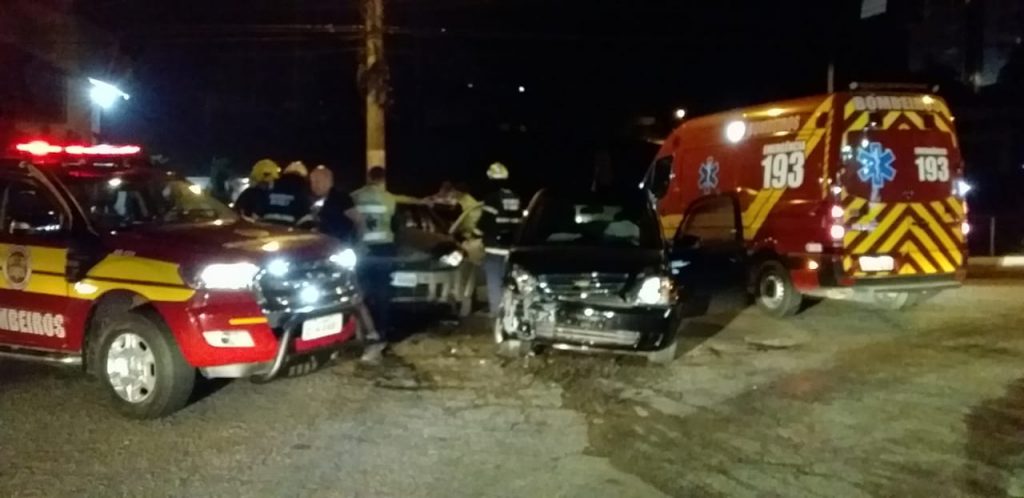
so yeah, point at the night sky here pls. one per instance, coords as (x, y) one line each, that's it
(243, 79)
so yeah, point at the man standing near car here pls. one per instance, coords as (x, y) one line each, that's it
(502, 214)
(288, 201)
(377, 205)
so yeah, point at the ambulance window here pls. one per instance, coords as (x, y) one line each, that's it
(713, 221)
(29, 209)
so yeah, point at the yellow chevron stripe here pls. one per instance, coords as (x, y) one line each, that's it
(943, 109)
(889, 119)
(893, 238)
(932, 249)
(755, 207)
(766, 210)
(860, 123)
(669, 224)
(943, 211)
(855, 207)
(849, 109)
(936, 229)
(847, 263)
(907, 269)
(874, 210)
(957, 207)
(916, 119)
(926, 266)
(881, 230)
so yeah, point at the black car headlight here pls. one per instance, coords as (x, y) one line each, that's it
(654, 291)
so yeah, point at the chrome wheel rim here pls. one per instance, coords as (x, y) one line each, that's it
(773, 291)
(131, 368)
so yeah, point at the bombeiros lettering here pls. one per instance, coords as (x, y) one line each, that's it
(32, 323)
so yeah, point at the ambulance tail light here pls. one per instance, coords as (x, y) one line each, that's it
(837, 232)
(837, 212)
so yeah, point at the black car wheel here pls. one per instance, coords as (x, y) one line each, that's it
(139, 363)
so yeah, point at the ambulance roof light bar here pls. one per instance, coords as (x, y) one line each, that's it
(44, 148)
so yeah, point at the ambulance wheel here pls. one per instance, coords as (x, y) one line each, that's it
(141, 367)
(775, 292)
(895, 301)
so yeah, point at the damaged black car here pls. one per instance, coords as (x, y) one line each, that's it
(588, 273)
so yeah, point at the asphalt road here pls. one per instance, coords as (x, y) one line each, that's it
(843, 400)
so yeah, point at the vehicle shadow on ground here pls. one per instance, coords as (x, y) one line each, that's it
(995, 445)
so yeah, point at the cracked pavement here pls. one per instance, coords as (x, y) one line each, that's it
(860, 402)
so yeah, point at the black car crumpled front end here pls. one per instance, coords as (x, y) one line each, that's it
(589, 311)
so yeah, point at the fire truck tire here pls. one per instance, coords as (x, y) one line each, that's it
(141, 367)
(775, 292)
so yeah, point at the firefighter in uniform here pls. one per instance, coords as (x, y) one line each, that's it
(252, 202)
(289, 200)
(500, 218)
(377, 240)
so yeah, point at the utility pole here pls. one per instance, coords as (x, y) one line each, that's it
(374, 81)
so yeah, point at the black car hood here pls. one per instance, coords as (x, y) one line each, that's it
(548, 260)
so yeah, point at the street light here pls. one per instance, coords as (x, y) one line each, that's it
(104, 94)
(680, 113)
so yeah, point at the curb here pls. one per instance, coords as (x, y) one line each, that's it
(1016, 262)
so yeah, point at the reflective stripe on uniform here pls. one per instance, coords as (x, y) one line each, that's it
(490, 209)
(372, 208)
(506, 220)
(376, 236)
(496, 251)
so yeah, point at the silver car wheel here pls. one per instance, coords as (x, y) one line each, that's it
(131, 368)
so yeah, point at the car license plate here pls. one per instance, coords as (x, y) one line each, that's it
(318, 328)
(877, 263)
(403, 279)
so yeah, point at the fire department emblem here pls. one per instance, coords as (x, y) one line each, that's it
(708, 179)
(17, 269)
(876, 167)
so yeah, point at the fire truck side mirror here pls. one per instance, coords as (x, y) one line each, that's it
(660, 176)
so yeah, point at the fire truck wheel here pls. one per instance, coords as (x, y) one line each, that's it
(776, 294)
(141, 366)
(895, 301)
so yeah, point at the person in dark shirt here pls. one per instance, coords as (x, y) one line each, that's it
(252, 202)
(288, 202)
(334, 212)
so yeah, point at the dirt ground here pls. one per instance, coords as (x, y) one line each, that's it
(843, 400)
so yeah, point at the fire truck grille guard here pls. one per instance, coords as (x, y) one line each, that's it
(307, 289)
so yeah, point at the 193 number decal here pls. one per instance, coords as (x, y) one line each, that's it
(783, 170)
(932, 168)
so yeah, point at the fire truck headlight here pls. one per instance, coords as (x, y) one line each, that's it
(228, 276)
(735, 131)
(837, 232)
(278, 268)
(346, 258)
(310, 294)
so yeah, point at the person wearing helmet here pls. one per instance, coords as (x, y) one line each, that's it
(289, 201)
(252, 202)
(500, 217)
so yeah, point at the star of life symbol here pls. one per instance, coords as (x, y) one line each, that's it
(876, 167)
(708, 172)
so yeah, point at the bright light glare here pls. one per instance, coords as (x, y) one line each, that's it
(309, 295)
(965, 228)
(813, 265)
(962, 188)
(775, 112)
(278, 268)
(452, 259)
(838, 212)
(104, 94)
(680, 113)
(39, 148)
(735, 131)
(102, 150)
(228, 276)
(346, 258)
(522, 89)
(651, 291)
(837, 232)
(195, 189)
(114, 182)
(272, 246)
(928, 100)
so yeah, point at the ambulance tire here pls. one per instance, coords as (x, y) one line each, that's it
(171, 379)
(775, 292)
(896, 301)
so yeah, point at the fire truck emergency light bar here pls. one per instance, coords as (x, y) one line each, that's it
(43, 148)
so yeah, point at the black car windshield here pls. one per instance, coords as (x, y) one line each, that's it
(591, 221)
(122, 201)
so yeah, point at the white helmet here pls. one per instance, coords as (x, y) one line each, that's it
(497, 171)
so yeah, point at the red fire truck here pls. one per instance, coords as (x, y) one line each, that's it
(137, 276)
(856, 195)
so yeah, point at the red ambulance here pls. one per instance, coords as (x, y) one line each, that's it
(851, 195)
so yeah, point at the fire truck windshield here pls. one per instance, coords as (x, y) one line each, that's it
(144, 199)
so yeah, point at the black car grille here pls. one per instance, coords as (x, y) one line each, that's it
(282, 295)
(585, 285)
